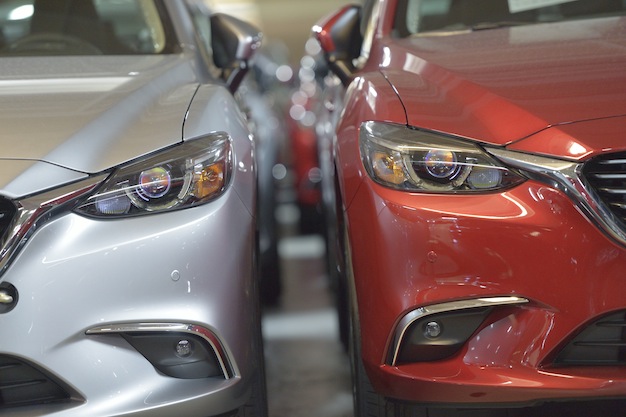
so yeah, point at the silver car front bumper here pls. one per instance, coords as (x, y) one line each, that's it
(77, 276)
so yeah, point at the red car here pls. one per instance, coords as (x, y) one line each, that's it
(480, 173)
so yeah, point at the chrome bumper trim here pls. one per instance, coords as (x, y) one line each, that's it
(228, 368)
(422, 312)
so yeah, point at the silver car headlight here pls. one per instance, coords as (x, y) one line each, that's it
(185, 175)
(408, 159)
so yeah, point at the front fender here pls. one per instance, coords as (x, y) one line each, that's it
(214, 109)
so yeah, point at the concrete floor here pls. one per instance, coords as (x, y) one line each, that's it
(308, 373)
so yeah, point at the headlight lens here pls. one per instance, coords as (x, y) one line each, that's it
(408, 159)
(185, 175)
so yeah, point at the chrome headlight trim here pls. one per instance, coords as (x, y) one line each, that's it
(567, 177)
(33, 211)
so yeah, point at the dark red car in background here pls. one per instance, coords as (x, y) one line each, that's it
(479, 160)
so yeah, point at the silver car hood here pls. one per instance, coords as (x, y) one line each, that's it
(62, 118)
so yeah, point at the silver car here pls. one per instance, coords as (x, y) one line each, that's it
(127, 210)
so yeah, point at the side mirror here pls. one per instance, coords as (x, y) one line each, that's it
(234, 43)
(340, 38)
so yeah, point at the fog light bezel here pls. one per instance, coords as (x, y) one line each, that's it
(461, 318)
(159, 348)
(170, 332)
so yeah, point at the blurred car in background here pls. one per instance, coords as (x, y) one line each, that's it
(480, 167)
(128, 278)
(305, 109)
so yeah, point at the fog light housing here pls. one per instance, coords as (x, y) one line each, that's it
(438, 331)
(177, 355)
(439, 336)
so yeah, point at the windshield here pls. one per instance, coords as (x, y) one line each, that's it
(82, 27)
(420, 16)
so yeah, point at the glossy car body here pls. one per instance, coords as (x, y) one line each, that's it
(128, 196)
(502, 286)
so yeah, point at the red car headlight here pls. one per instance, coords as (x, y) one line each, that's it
(410, 159)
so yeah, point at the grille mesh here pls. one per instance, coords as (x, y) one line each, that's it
(607, 175)
(23, 384)
(603, 342)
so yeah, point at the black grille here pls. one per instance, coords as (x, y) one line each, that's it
(603, 342)
(607, 175)
(23, 384)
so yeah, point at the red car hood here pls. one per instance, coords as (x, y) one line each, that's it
(503, 85)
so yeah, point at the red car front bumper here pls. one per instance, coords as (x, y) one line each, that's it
(415, 250)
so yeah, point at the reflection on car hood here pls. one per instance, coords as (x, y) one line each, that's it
(89, 114)
(502, 85)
